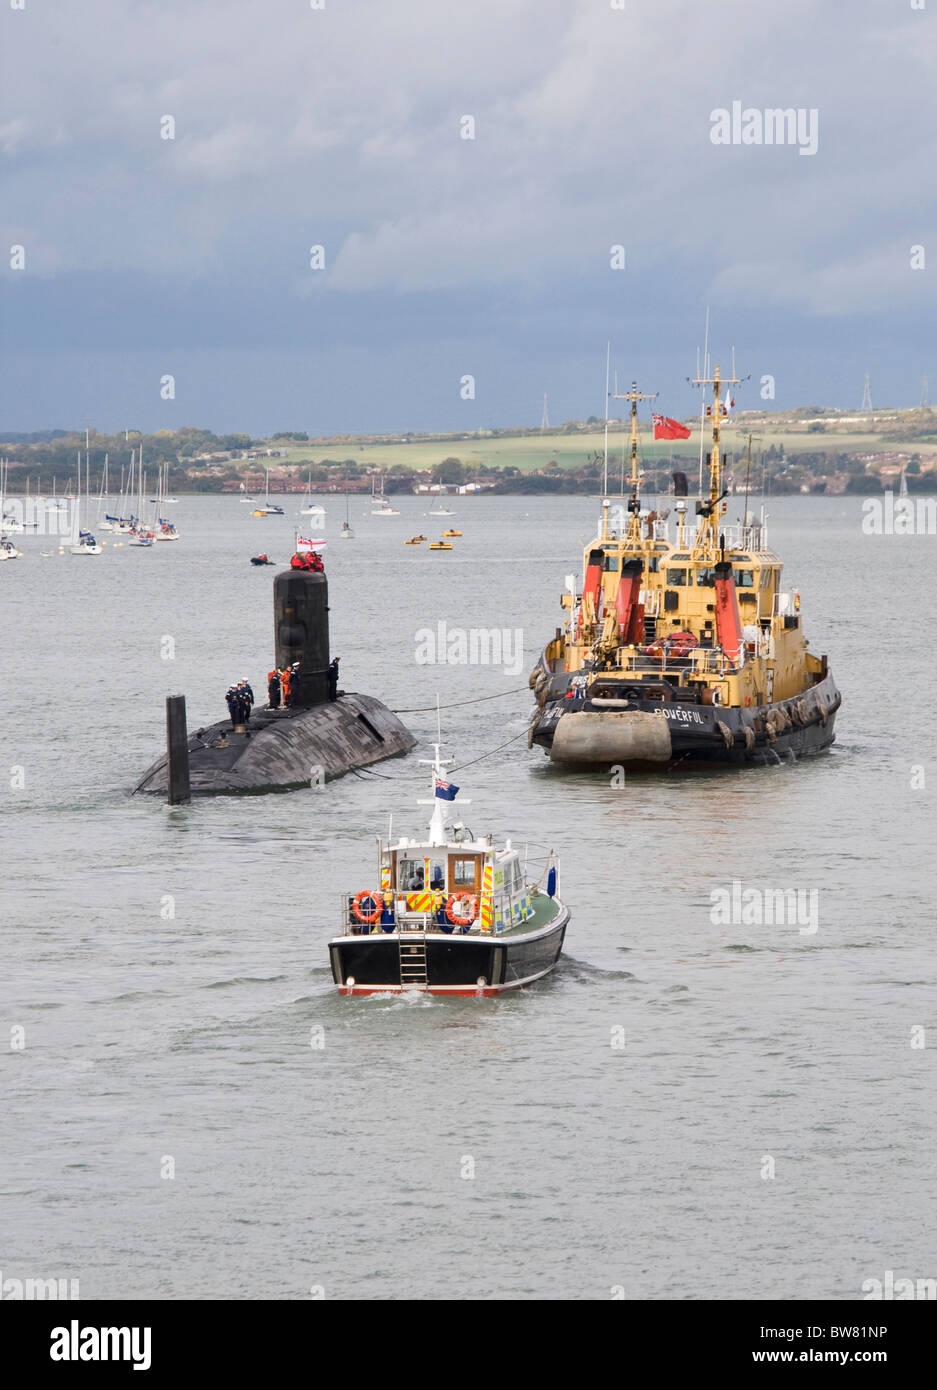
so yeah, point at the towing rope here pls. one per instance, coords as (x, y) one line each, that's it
(431, 709)
(523, 734)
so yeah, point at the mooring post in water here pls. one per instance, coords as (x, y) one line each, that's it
(177, 750)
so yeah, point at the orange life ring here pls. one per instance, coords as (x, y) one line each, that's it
(454, 917)
(376, 898)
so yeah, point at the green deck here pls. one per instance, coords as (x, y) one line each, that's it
(545, 909)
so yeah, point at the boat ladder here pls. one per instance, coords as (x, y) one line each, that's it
(412, 950)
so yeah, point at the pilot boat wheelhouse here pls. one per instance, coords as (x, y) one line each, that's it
(681, 650)
(454, 914)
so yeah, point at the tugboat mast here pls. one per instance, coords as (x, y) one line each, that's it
(634, 505)
(707, 532)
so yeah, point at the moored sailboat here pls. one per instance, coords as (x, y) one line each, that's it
(269, 508)
(379, 503)
(85, 543)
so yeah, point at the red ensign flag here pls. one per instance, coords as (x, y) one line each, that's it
(665, 428)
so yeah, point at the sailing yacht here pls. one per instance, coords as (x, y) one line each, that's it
(268, 508)
(311, 508)
(346, 533)
(86, 543)
(163, 530)
(8, 550)
(379, 503)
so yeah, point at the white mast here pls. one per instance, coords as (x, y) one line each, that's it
(437, 822)
(702, 408)
(608, 359)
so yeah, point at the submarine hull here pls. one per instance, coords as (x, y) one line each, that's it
(282, 750)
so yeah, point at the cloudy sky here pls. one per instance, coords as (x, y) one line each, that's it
(342, 127)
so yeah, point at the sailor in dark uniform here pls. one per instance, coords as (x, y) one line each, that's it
(333, 677)
(273, 689)
(247, 699)
(233, 701)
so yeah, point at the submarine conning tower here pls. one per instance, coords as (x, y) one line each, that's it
(305, 743)
(301, 632)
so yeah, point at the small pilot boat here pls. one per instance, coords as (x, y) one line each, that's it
(8, 550)
(455, 914)
(261, 560)
(440, 545)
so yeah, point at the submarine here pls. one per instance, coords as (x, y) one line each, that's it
(314, 740)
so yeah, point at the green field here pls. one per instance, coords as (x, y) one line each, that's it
(573, 450)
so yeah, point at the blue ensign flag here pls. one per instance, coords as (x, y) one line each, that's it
(446, 791)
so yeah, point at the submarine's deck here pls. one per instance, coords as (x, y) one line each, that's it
(281, 750)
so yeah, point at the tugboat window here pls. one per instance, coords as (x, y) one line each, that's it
(676, 577)
(705, 577)
(744, 579)
(611, 562)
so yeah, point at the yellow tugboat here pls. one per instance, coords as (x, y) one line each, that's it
(681, 651)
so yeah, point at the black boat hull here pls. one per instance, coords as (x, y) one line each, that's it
(663, 735)
(468, 966)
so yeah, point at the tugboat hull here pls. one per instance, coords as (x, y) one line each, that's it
(467, 966)
(654, 734)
